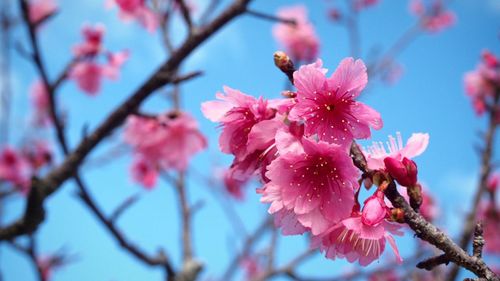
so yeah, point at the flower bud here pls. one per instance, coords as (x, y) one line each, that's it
(398, 215)
(284, 63)
(404, 172)
(415, 194)
(374, 210)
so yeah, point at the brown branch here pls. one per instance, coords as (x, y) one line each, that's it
(478, 242)
(431, 263)
(31, 253)
(185, 211)
(212, 6)
(186, 14)
(486, 155)
(427, 231)
(163, 75)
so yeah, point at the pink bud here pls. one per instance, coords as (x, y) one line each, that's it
(374, 210)
(490, 59)
(404, 172)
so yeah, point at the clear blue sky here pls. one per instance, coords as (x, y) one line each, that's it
(428, 98)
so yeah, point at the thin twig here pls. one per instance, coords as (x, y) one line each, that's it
(265, 16)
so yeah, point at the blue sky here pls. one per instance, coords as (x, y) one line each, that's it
(428, 98)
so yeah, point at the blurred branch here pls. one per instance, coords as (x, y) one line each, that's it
(6, 24)
(31, 253)
(123, 207)
(212, 6)
(186, 14)
(247, 246)
(353, 30)
(162, 76)
(486, 159)
(265, 16)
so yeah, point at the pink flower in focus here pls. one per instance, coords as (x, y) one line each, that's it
(433, 18)
(361, 237)
(328, 106)
(41, 103)
(404, 171)
(376, 153)
(299, 40)
(88, 76)
(41, 9)
(137, 10)
(15, 169)
(144, 172)
(237, 113)
(317, 184)
(92, 44)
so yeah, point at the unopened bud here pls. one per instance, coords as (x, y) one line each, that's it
(404, 172)
(398, 215)
(284, 63)
(289, 94)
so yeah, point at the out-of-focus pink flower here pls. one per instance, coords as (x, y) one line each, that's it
(92, 44)
(88, 76)
(233, 183)
(493, 182)
(317, 184)
(376, 153)
(404, 171)
(252, 267)
(355, 240)
(363, 4)
(37, 153)
(328, 106)
(41, 9)
(15, 169)
(238, 113)
(490, 215)
(144, 172)
(41, 103)
(299, 40)
(137, 10)
(115, 62)
(482, 83)
(170, 140)
(184, 140)
(434, 17)
(334, 14)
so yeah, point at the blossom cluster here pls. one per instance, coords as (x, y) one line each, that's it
(136, 10)
(166, 141)
(17, 166)
(299, 147)
(299, 39)
(483, 83)
(87, 71)
(433, 17)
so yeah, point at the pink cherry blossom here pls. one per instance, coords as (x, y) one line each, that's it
(355, 240)
(328, 106)
(317, 184)
(252, 267)
(384, 275)
(237, 113)
(115, 62)
(172, 139)
(433, 18)
(88, 76)
(144, 172)
(299, 40)
(41, 9)
(374, 210)
(376, 153)
(233, 183)
(41, 103)
(493, 182)
(92, 44)
(404, 171)
(137, 10)
(15, 169)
